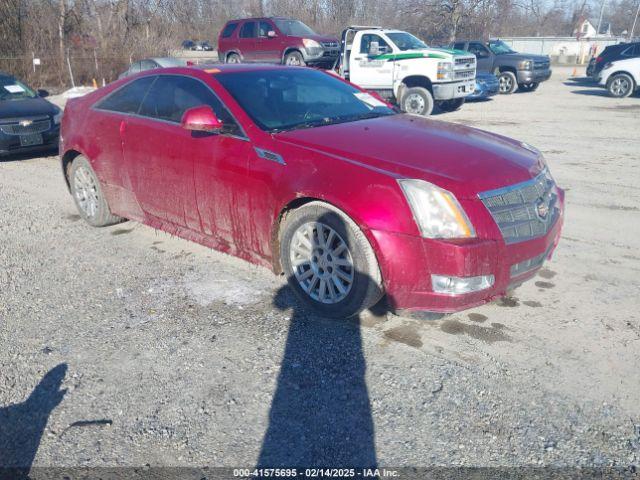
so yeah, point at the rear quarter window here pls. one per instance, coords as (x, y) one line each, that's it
(229, 29)
(126, 99)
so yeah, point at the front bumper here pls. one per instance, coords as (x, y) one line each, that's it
(10, 144)
(458, 89)
(484, 90)
(407, 270)
(322, 56)
(533, 76)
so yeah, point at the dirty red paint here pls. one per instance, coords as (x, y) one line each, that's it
(217, 190)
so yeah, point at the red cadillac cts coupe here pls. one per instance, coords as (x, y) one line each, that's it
(295, 169)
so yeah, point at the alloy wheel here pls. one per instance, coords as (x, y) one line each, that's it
(86, 191)
(506, 84)
(293, 61)
(322, 263)
(620, 86)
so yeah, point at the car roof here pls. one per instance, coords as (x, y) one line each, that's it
(221, 68)
(261, 18)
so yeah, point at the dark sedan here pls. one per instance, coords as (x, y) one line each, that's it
(28, 122)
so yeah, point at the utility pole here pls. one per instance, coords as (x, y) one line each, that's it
(604, 2)
(635, 21)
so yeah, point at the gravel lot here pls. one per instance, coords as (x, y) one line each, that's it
(125, 346)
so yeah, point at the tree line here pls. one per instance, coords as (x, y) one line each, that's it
(98, 38)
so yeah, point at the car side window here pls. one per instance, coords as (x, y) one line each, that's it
(368, 38)
(128, 98)
(172, 95)
(264, 29)
(459, 46)
(478, 50)
(627, 52)
(229, 29)
(248, 30)
(636, 51)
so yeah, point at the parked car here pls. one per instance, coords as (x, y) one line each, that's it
(204, 46)
(28, 122)
(188, 45)
(275, 40)
(621, 78)
(612, 53)
(153, 63)
(514, 70)
(404, 70)
(297, 170)
(487, 85)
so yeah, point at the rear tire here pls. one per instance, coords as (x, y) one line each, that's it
(417, 100)
(234, 58)
(329, 262)
(294, 59)
(88, 196)
(620, 85)
(508, 82)
(451, 105)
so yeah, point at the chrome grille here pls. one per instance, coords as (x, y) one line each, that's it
(464, 74)
(464, 61)
(529, 264)
(524, 211)
(36, 126)
(541, 65)
(330, 44)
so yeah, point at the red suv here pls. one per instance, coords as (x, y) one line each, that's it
(275, 40)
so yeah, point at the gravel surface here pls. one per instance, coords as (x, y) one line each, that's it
(126, 346)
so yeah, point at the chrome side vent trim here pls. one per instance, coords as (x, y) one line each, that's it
(268, 155)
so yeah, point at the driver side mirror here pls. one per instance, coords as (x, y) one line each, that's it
(43, 93)
(201, 119)
(271, 34)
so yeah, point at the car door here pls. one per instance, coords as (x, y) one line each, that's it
(267, 48)
(367, 69)
(484, 57)
(108, 159)
(247, 41)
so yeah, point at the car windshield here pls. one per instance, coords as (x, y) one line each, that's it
(12, 89)
(293, 28)
(498, 47)
(406, 41)
(288, 99)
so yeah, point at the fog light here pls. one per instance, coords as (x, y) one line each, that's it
(459, 285)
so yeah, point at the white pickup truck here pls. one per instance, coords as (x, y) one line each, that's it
(404, 70)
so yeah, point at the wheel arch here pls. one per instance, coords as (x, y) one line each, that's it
(289, 50)
(65, 161)
(508, 68)
(231, 52)
(299, 202)
(623, 72)
(417, 81)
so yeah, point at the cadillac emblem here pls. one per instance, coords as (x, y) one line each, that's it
(542, 209)
(25, 123)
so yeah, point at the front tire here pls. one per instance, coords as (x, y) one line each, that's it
(329, 262)
(88, 196)
(294, 59)
(620, 85)
(451, 105)
(417, 100)
(508, 82)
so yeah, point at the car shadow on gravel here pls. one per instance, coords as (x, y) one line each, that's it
(28, 156)
(22, 424)
(320, 413)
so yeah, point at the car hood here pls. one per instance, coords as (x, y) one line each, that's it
(525, 56)
(26, 107)
(461, 159)
(322, 38)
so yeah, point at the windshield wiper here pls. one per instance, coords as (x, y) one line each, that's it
(330, 121)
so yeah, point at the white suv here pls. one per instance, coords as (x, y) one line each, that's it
(621, 77)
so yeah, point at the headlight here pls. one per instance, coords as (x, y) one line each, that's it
(436, 211)
(526, 65)
(309, 43)
(57, 117)
(445, 71)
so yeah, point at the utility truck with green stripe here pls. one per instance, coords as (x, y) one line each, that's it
(404, 70)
